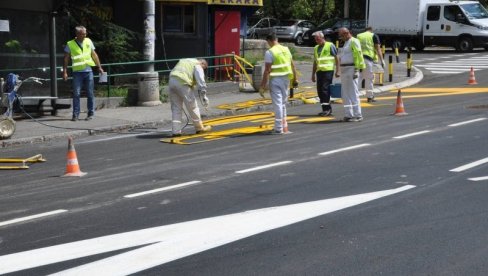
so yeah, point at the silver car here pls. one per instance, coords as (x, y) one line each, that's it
(293, 30)
(262, 28)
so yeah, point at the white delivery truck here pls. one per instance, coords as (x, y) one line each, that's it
(420, 23)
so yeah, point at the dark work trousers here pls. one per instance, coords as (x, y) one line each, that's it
(324, 80)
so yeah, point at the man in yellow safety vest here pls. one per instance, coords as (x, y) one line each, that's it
(370, 45)
(83, 57)
(278, 71)
(324, 61)
(351, 62)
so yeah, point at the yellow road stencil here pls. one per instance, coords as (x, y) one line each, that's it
(312, 120)
(238, 118)
(216, 135)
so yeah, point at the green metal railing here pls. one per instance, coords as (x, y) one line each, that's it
(221, 67)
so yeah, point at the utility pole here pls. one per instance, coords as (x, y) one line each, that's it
(149, 34)
(346, 8)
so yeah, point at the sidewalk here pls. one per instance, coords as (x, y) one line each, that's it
(126, 118)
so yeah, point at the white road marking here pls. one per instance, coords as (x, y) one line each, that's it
(411, 134)
(344, 149)
(12, 221)
(120, 136)
(167, 243)
(173, 187)
(470, 165)
(478, 178)
(467, 122)
(264, 166)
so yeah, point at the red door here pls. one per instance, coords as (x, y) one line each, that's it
(227, 40)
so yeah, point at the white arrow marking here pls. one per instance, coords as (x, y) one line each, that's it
(478, 178)
(175, 241)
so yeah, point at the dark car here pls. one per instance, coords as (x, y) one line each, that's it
(293, 30)
(330, 29)
(262, 28)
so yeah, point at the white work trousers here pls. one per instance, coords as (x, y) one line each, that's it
(179, 94)
(278, 87)
(350, 93)
(368, 77)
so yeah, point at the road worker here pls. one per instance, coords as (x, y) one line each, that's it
(351, 61)
(278, 71)
(185, 76)
(370, 45)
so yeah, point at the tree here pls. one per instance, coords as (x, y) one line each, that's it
(313, 10)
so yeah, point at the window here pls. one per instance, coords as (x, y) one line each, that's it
(178, 18)
(433, 13)
(450, 12)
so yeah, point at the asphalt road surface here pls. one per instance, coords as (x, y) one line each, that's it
(392, 195)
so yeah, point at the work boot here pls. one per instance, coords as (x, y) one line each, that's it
(204, 129)
(371, 100)
(326, 113)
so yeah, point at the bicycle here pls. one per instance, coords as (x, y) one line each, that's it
(7, 100)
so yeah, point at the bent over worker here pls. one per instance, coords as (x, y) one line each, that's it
(279, 70)
(370, 45)
(185, 76)
(324, 60)
(351, 61)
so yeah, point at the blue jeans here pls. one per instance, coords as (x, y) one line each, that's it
(81, 79)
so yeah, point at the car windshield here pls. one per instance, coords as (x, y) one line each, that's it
(327, 24)
(287, 23)
(475, 11)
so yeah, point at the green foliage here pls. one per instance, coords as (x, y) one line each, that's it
(113, 42)
(313, 10)
(13, 46)
(115, 91)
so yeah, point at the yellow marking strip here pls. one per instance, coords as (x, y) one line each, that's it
(33, 159)
(217, 135)
(312, 120)
(237, 119)
(14, 167)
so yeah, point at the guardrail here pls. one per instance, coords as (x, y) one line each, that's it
(221, 67)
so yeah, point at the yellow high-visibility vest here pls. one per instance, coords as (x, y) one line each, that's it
(325, 61)
(80, 56)
(184, 71)
(281, 61)
(367, 45)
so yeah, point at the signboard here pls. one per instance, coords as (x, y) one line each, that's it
(4, 26)
(258, 3)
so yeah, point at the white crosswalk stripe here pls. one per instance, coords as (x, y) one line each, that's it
(462, 64)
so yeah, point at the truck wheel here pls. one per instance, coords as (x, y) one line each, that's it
(299, 40)
(465, 44)
(419, 46)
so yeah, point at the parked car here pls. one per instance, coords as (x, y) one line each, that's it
(262, 28)
(293, 30)
(330, 29)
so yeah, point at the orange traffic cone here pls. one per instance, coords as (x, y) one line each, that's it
(400, 109)
(472, 80)
(72, 166)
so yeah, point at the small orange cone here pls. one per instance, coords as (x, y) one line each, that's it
(400, 109)
(472, 79)
(72, 166)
